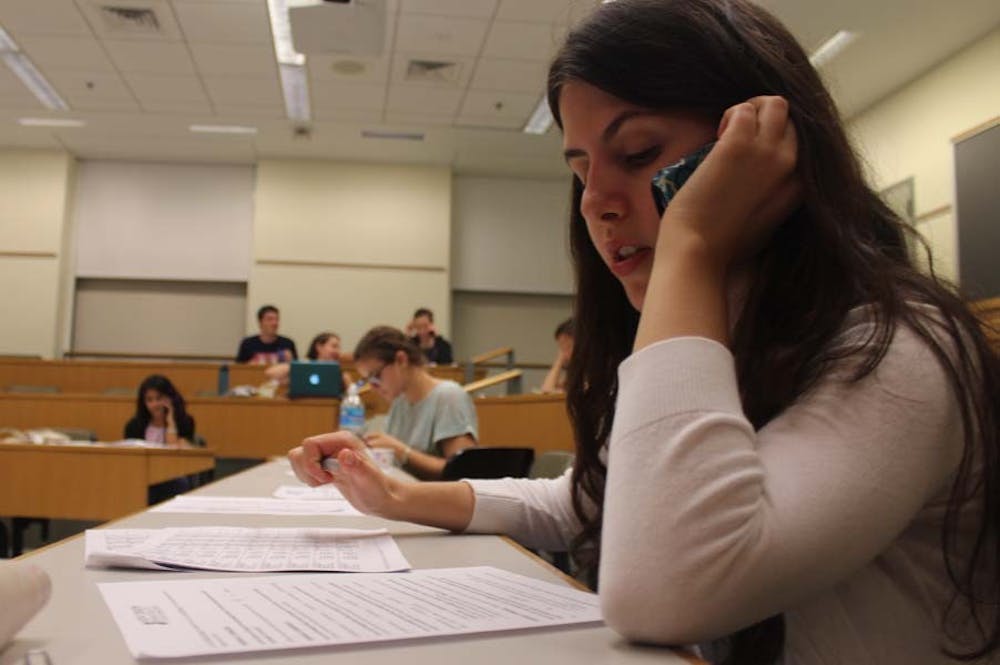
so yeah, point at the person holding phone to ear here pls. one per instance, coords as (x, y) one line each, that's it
(160, 413)
(436, 349)
(787, 439)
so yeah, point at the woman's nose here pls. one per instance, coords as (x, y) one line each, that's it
(603, 199)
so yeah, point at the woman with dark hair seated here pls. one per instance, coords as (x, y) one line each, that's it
(161, 417)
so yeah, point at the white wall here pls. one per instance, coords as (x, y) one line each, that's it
(33, 203)
(344, 247)
(511, 235)
(910, 134)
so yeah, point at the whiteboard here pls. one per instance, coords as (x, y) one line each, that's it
(139, 220)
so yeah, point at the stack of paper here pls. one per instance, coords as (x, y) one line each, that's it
(245, 549)
(254, 505)
(198, 617)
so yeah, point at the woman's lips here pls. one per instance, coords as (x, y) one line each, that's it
(622, 266)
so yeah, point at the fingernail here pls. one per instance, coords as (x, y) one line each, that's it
(349, 458)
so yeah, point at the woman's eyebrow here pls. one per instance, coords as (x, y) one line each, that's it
(609, 132)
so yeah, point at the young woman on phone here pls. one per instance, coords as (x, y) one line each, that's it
(160, 413)
(787, 435)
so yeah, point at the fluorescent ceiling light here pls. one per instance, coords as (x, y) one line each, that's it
(832, 47)
(291, 64)
(541, 118)
(222, 129)
(50, 122)
(295, 90)
(29, 75)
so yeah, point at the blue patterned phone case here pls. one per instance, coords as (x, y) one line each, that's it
(669, 179)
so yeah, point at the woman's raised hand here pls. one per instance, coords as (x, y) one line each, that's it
(359, 479)
(745, 188)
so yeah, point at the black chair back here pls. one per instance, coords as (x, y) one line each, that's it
(489, 463)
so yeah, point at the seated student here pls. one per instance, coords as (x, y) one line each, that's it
(161, 417)
(787, 439)
(555, 380)
(324, 347)
(429, 419)
(436, 349)
(268, 347)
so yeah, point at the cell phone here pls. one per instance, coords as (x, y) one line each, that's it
(669, 179)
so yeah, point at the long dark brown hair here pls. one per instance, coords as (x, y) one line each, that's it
(842, 248)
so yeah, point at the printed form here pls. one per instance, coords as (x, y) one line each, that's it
(199, 617)
(240, 549)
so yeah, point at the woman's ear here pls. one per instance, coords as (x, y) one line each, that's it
(401, 358)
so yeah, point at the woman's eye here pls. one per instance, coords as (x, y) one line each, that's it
(643, 157)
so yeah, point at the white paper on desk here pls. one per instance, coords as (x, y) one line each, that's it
(242, 549)
(198, 617)
(328, 492)
(116, 548)
(253, 505)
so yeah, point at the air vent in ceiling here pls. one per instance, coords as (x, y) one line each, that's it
(433, 71)
(130, 20)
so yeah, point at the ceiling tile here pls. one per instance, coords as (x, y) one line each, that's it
(525, 41)
(234, 59)
(53, 17)
(417, 120)
(432, 101)
(184, 107)
(149, 88)
(457, 76)
(348, 68)
(238, 111)
(510, 75)
(465, 8)
(156, 57)
(244, 90)
(499, 105)
(107, 28)
(434, 34)
(224, 22)
(325, 113)
(490, 122)
(339, 95)
(14, 98)
(551, 11)
(91, 90)
(67, 53)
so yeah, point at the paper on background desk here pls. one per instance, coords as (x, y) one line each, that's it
(200, 617)
(254, 506)
(328, 492)
(241, 549)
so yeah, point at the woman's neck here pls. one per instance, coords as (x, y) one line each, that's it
(158, 420)
(419, 386)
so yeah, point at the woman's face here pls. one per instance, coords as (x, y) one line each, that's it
(156, 402)
(328, 350)
(386, 378)
(614, 148)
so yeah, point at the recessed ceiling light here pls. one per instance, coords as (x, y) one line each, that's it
(541, 118)
(397, 136)
(50, 122)
(25, 70)
(291, 63)
(222, 129)
(832, 47)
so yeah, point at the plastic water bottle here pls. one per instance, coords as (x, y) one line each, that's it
(223, 380)
(352, 412)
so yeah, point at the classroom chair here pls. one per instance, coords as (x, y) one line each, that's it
(489, 463)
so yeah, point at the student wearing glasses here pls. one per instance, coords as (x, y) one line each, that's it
(430, 419)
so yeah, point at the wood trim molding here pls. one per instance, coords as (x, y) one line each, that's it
(28, 255)
(931, 214)
(978, 129)
(344, 264)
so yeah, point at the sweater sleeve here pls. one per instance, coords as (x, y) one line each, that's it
(710, 526)
(535, 512)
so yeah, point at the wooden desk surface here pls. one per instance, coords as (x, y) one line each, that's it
(232, 426)
(88, 482)
(532, 421)
(76, 626)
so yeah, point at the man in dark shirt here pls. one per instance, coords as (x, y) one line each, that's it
(268, 347)
(436, 349)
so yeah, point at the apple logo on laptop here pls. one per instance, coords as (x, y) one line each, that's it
(314, 379)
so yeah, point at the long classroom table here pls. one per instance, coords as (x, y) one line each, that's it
(76, 627)
(232, 426)
(88, 482)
